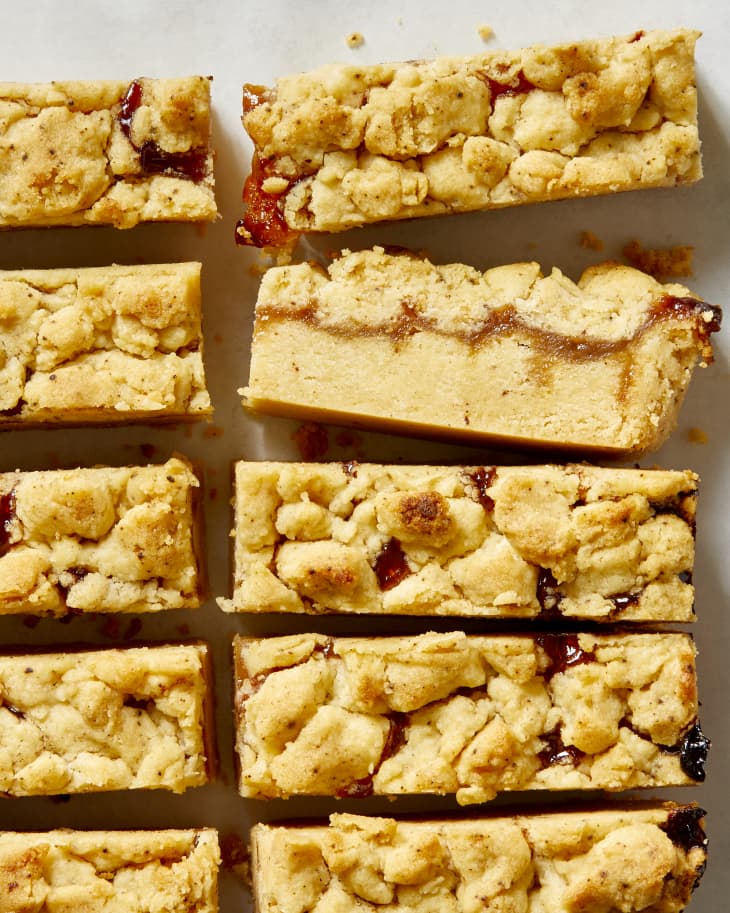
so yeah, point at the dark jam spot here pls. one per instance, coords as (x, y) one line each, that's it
(482, 479)
(7, 514)
(327, 649)
(394, 741)
(15, 410)
(518, 85)
(263, 225)
(154, 160)
(689, 308)
(557, 752)
(637, 36)
(390, 565)
(563, 651)
(624, 600)
(350, 468)
(684, 827)
(11, 708)
(137, 703)
(685, 576)
(693, 751)
(548, 595)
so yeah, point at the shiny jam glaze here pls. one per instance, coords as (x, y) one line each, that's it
(391, 565)
(482, 478)
(264, 224)
(684, 827)
(563, 652)
(693, 751)
(518, 85)
(557, 752)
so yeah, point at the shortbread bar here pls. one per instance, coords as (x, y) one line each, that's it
(167, 871)
(465, 715)
(99, 540)
(520, 541)
(344, 146)
(647, 857)
(134, 718)
(110, 344)
(105, 153)
(507, 356)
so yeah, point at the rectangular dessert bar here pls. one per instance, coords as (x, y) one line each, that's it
(100, 540)
(466, 715)
(175, 871)
(105, 153)
(134, 718)
(109, 344)
(647, 857)
(344, 146)
(508, 356)
(491, 541)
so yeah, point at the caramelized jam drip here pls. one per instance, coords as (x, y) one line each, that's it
(7, 513)
(557, 752)
(684, 827)
(155, 160)
(482, 479)
(391, 565)
(264, 224)
(394, 741)
(563, 652)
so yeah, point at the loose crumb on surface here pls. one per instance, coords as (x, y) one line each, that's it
(312, 441)
(485, 32)
(660, 261)
(590, 241)
(355, 40)
(697, 436)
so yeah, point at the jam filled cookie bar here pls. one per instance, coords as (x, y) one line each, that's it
(105, 153)
(465, 715)
(344, 146)
(393, 342)
(109, 344)
(135, 718)
(100, 540)
(647, 857)
(175, 871)
(575, 541)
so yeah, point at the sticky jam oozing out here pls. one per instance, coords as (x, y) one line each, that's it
(391, 565)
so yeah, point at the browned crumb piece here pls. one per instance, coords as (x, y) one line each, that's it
(109, 871)
(105, 153)
(590, 241)
(99, 540)
(697, 436)
(660, 261)
(132, 718)
(344, 146)
(633, 859)
(466, 715)
(109, 344)
(355, 40)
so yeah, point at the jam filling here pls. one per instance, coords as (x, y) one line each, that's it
(624, 600)
(518, 85)
(563, 652)
(11, 708)
(264, 224)
(391, 565)
(684, 827)
(192, 165)
(394, 741)
(557, 752)
(693, 751)
(482, 479)
(548, 594)
(7, 513)
(349, 467)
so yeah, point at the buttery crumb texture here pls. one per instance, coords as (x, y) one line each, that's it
(509, 356)
(99, 540)
(166, 871)
(629, 859)
(466, 715)
(345, 145)
(133, 718)
(576, 541)
(108, 344)
(105, 153)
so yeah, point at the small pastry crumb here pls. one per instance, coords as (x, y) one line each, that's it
(355, 40)
(485, 32)
(590, 241)
(697, 436)
(660, 261)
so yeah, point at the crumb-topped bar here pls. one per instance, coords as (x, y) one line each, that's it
(105, 153)
(393, 342)
(135, 718)
(630, 859)
(522, 541)
(175, 871)
(100, 540)
(465, 715)
(344, 146)
(109, 344)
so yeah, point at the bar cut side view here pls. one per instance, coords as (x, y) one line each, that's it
(395, 343)
(133, 718)
(575, 541)
(344, 146)
(109, 344)
(175, 871)
(105, 153)
(466, 715)
(100, 540)
(640, 858)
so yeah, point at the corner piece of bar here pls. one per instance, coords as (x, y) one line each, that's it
(571, 541)
(509, 356)
(345, 145)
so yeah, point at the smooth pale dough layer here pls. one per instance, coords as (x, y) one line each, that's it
(134, 718)
(106, 153)
(99, 540)
(466, 715)
(166, 871)
(344, 146)
(109, 344)
(395, 343)
(597, 860)
(581, 541)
